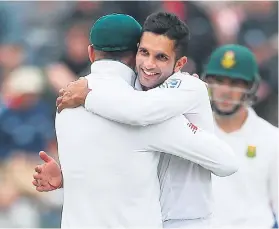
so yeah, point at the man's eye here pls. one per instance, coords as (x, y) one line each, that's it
(239, 83)
(143, 52)
(162, 58)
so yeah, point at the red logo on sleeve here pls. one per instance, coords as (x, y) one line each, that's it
(192, 127)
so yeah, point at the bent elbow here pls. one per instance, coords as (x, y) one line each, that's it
(229, 165)
(228, 169)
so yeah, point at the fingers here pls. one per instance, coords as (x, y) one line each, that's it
(84, 81)
(45, 157)
(40, 187)
(38, 169)
(73, 95)
(62, 91)
(39, 181)
(59, 100)
(60, 107)
(37, 176)
(64, 101)
(36, 183)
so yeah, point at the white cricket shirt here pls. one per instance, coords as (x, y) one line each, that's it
(110, 169)
(107, 183)
(185, 184)
(245, 198)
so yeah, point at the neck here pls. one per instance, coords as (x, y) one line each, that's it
(232, 123)
(112, 68)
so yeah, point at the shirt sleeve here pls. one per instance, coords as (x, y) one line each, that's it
(179, 137)
(142, 108)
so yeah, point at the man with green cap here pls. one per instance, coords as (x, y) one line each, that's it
(249, 197)
(104, 182)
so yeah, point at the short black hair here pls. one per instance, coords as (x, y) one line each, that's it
(169, 25)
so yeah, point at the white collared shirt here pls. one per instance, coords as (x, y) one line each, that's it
(107, 183)
(248, 197)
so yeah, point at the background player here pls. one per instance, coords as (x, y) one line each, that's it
(250, 196)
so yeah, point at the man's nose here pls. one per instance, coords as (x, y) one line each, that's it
(150, 63)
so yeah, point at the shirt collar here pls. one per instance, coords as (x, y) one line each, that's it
(173, 76)
(250, 119)
(246, 126)
(114, 69)
(137, 85)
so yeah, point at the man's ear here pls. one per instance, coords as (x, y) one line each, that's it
(91, 53)
(180, 63)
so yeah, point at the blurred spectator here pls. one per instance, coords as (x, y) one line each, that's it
(25, 121)
(20, 204)
(44, 21)
(259, 32)
(74, 61)
(12, 55)
(16, 208)
(202, 35)
(11, 21)
(90, 11)
(139, 9)
(75, 55)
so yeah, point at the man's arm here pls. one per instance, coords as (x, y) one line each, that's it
(178, 137)
(143, 108)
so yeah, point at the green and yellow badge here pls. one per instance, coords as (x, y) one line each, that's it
(251, 151)
(228, 60)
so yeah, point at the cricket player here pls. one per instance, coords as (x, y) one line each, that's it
(185, 185)
(102, 161)
(249, 197)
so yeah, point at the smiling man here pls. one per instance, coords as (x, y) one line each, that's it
(185, 184)
(160, 53)
(186, 196)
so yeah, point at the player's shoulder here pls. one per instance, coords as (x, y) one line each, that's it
(184, 81)
(264, 127)
(269, 134)
(262, 122)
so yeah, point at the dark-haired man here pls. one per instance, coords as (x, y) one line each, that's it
(185, 184)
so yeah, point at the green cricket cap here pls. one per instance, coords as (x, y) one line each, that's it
(233, 61)
(115, 32)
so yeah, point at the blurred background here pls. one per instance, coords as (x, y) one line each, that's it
(43, 46)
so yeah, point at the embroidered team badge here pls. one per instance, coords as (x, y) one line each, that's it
(228, 60)
(251, 151)
(171, 83)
